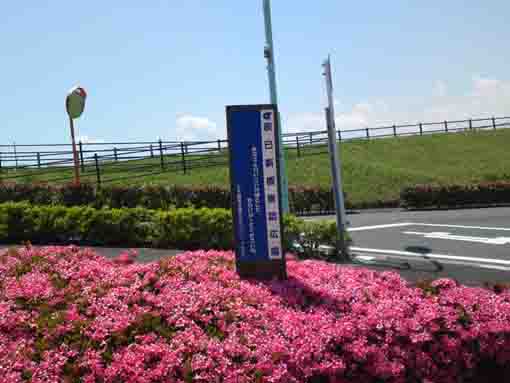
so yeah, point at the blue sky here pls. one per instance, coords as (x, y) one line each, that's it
(168, 68)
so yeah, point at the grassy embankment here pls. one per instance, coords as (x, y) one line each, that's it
(372, 170)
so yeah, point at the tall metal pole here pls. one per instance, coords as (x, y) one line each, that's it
(336, 167)
(75, 154)
(271, 73)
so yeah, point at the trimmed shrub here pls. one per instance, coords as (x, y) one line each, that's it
(303, 200)
(444, 196)
(75, 195)
(185, 228)
(118, 197)
(41, 193)
(189, 228)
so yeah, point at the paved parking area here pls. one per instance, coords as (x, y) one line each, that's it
(487, 247)
(470, 245)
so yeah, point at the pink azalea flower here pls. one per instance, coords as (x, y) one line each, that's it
(67, 314)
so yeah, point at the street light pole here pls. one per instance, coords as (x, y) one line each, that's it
(336, 166)
(271, 73)
(75, 103)
(75, 154)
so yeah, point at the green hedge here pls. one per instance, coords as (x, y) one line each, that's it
(445, 196)
(302, 200)
(185, 229)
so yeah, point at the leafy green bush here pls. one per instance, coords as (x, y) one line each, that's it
(130, 227)
(157, 197)
(442, 196)
(189, 228)
(303, 200)
(75, 195)
(311, 199)
(119, 197)
(306, 237)
(42, 194)
(185, 228)
(16, 221)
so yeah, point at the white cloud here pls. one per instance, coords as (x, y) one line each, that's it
(486, 86)
(194, 128)
(440, 88)
(89, 140)
(486, 97)
(360, 116)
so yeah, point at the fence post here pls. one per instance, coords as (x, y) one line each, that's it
(446, 126)
(82, 163)
(470, 124)
(421, 129)
(219, 145)
(152, 152)
(115, 154)
(297, 147)
(39, 160)
(0, 161)
(339, 135)
(311, 139)
(183, 157)
(368, 133)
(98, 172)
(394, 131)
(161, 158)
(494, 122)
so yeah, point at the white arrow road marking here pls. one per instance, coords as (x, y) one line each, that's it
(462, 226)
(487, 261)
(442, 235)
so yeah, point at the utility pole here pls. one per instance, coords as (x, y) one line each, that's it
(271, 73)
(336, 166)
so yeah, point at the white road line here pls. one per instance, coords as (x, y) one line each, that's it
(371, 259)
(441, 235)
(460, 226)
(432, 256)
(402, 224)
(491, 267)
(379, 226)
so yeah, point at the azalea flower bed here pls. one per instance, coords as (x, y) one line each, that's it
(70, 315)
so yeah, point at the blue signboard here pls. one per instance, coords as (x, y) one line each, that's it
(256, 203)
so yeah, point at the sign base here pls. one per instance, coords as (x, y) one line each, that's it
(262, 270)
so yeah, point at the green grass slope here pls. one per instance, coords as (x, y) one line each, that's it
(372, 170)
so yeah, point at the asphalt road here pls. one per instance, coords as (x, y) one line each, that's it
(471, 245)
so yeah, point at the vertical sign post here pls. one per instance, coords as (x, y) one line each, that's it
(336, 170)
(256, 196)
(271, 73)
(75, 103)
